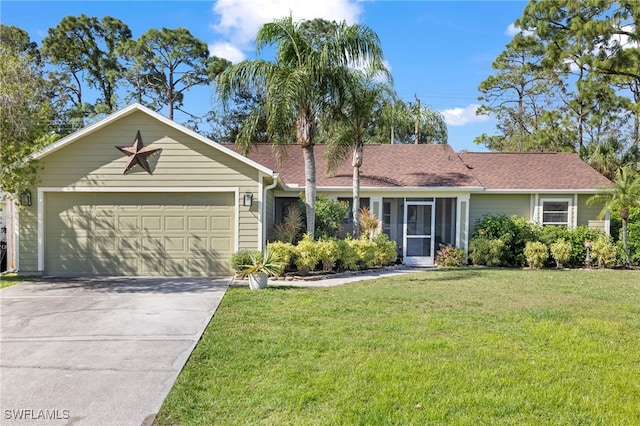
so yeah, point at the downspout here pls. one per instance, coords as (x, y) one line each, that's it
(263, 212)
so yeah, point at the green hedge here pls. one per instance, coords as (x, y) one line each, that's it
(500, 240)
(334, 254)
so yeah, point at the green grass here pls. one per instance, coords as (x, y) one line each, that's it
(463, 347)
(9, 280)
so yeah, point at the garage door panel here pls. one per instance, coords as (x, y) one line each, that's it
(174, 223)
(136, 238)
(127, 223)
(175, 244)
(195, 244)
(221, 223)
(152, 223)
(128, 244)
(197, 223)
(104, 245)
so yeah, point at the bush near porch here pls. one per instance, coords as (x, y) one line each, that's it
(329, 254)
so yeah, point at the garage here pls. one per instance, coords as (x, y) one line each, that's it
(143, 234)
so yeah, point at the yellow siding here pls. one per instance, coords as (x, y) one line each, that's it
(509, 204)
(585, 212)
(94, 162)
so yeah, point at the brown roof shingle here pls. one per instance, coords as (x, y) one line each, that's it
(389, 166)
(542, 171)
(383, 166)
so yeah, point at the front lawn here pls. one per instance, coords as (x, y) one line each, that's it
(465, 347)
(9, 280)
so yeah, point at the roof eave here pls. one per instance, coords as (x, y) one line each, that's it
(541, 191)
(292, 187)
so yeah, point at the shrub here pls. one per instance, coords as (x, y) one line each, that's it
(348, 256)
(604, 252)
(289, 230)
(576, 236)
(386, 250)
(330, 215)
(306, 257)
(369, 223)
(513, 231)
(284, 252)
(265, 263)
(561, 252)
(485, 251)
(328, 251)
(449, 256)
(242, 258)
(536, 254)
(365, 251)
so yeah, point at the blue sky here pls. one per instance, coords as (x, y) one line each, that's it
(437, 50)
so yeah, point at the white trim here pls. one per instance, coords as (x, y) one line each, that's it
(260, 198)
(460, 241)
(420, 189)
(262, 221)
(137, 107)
(541, 191)
(105, 189)
(419, 260)
(41, 212)
(379, 213)
(571, 210)
(13, 241)
(607, 222)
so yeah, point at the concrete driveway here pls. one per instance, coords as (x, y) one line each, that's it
(97, 351)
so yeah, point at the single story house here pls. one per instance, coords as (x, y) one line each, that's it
(138, 194)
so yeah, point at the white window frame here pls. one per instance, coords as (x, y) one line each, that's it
(570, 211)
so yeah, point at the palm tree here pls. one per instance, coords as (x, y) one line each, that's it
(604, 158)
(624, 194)
(354, 126)
(309, 73)
(398, 119)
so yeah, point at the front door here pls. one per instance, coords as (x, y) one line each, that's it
(419, 221)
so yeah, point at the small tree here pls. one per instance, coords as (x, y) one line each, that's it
(536, 253)
(561, 252)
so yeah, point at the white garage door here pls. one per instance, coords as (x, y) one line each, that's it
(165, 234)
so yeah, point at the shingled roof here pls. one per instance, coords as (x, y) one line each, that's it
(535, 171)
(384, 166)
(438, 166)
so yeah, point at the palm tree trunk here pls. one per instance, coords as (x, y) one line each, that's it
(627, 259)
(310, 188)
(356, 162)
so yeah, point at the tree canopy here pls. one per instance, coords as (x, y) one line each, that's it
(312, 66)
(569, 81)
(164, 64)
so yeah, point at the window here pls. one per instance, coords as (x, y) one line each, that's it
(555, 212)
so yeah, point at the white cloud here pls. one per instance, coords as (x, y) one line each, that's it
(462, 116)
(624, 40)
(239, 20)
(513, 29)
(226, 50)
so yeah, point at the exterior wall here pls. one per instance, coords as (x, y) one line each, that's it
(587, 213)
(184, 162)
(509, 204)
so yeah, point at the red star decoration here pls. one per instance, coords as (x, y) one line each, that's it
(138, 154)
